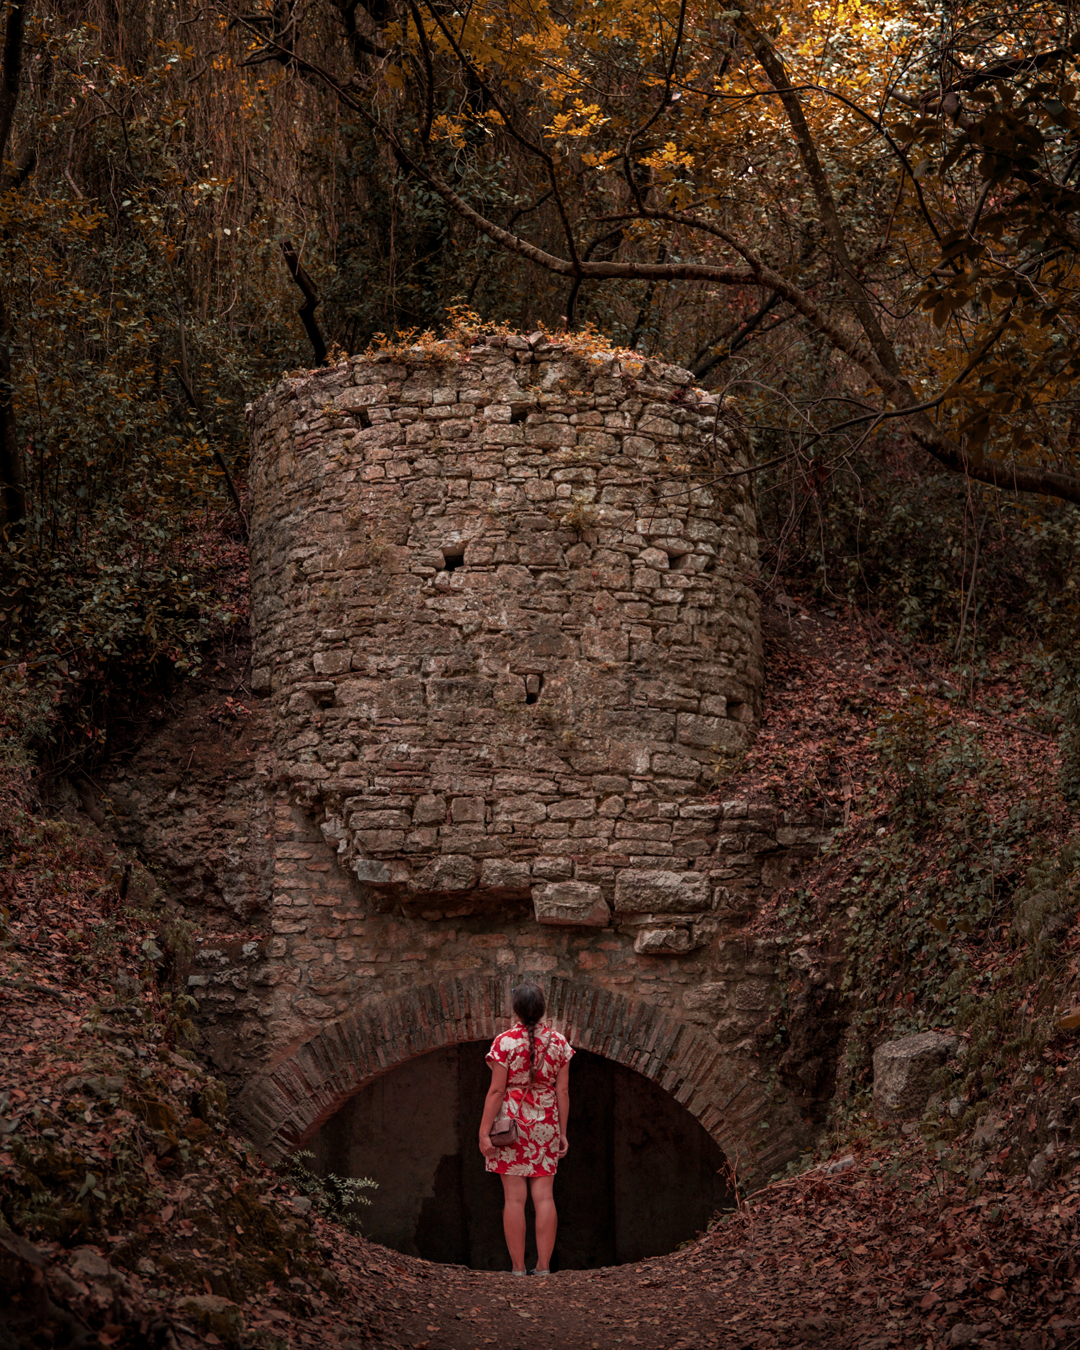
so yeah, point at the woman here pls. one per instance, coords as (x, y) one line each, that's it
(530, 1068)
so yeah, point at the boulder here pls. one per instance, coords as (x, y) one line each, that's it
(902, 1072)
(217, 1315)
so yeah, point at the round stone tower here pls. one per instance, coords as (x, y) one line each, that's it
(502, 602)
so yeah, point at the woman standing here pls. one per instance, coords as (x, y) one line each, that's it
(530, 1069)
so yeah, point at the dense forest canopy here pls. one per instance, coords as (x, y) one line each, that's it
(861, 221)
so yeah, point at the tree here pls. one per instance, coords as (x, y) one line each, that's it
(895, 180)
(11, 474)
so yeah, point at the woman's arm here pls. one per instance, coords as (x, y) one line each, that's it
(494, 1099)
(562, 1096)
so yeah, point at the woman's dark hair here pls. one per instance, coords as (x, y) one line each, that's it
(527, 1002)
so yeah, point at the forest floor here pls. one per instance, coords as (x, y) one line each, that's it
(136, 1218)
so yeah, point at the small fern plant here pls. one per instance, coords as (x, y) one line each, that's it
(335, 1197)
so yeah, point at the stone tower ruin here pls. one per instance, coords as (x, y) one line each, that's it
(503, 610)
(504, 635)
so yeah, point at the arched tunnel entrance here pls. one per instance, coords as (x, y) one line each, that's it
(439, 1032)
(642, 1174)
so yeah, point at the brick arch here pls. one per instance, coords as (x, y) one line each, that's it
(288, 1103)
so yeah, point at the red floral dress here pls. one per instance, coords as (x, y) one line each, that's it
(532, 1105)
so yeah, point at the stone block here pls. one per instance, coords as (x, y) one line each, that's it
(577, 808)
(902, 1073)
(380, 841)
(662, 942)
(575, 904)
(553, 868)
(505, 874)
(605, 644)
(520, 810)
(710, 733)
(429, 810)
(331, 663)
(451, 872)
(710, 996)
(379, 820)
(467, 810)
(752, 995)
(644, 891)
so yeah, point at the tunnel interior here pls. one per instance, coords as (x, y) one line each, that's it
(641, 1176)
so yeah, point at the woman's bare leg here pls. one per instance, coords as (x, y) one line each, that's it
(547, 1219)
(515, 1190)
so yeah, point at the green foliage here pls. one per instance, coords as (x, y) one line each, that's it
(1012, 1013)
(114, 574)
(336, 1197)
(934, 556)
(935, 886)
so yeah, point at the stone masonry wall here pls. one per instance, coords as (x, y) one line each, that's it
(503, 631)
(502, 606)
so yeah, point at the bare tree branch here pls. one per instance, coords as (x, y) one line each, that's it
(876, 356)
(310, 293)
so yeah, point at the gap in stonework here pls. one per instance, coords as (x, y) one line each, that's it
(642, 1175)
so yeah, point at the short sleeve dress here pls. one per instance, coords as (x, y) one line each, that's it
(532, 1105)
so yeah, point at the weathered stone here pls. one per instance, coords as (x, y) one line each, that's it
(331, 663)
(752, 995)
(571, 904)
(434, 680)
(371, 870)
(902, 1072)
(505, 874)
(95, 1085)
(87, 1264)
(467, 809)
(706, 996)
(429, 810)
(662, 941)
(449, 872)
(647, 892)
(216, 1315)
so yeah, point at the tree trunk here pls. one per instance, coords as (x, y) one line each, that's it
(12, 497)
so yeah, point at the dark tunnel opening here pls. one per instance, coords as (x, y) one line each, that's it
(642, 1175)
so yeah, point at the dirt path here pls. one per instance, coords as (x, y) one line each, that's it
(862, 1260)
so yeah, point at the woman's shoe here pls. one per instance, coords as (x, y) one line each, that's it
(521, 1272)
(539, 1272)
